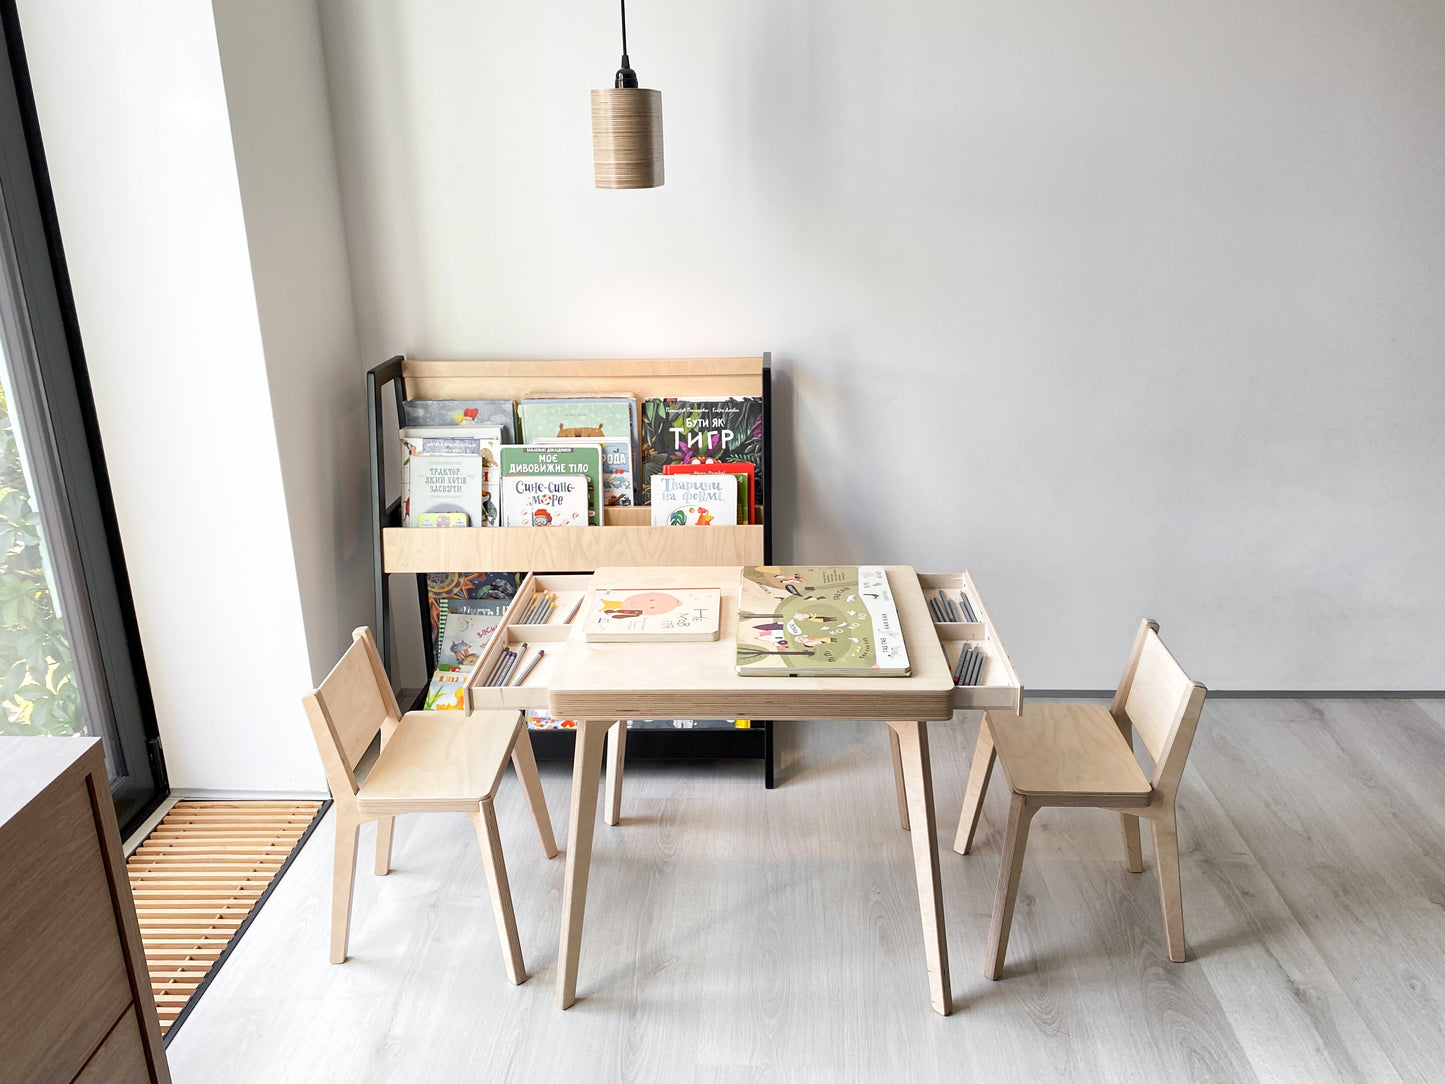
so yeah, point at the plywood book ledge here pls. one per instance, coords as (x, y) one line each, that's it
(626, 536)
(560, 549)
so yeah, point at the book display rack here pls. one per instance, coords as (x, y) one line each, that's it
(555, 555)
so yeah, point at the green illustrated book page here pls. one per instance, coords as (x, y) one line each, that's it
(583, 459)
(727, 429)
(819, 621)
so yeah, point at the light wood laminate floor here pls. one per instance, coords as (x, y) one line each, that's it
(739, 934)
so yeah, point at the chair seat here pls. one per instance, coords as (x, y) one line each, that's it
(1068, 754)
(440, 760)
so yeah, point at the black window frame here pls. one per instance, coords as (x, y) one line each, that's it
(56, 410)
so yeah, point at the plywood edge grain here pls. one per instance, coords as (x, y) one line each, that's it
(560, 549)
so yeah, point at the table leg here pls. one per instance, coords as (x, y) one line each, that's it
(586, 770)
(898, 780)
(616, 754)
(918, 783)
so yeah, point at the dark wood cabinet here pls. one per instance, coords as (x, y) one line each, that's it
(75, 996)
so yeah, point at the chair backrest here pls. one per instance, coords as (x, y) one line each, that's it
(1159, 700)
(354, 702)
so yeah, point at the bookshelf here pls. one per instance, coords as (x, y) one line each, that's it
(624, 538)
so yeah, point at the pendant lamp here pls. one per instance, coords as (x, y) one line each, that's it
(627, 129)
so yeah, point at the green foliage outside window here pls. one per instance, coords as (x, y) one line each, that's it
(37, 675)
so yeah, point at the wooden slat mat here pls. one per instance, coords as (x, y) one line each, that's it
(197, 877)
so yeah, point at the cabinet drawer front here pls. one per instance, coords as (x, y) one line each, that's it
(998, 686)
(63, 978)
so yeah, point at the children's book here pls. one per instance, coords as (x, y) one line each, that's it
(614, 418)
(653, 615)
(544, 500)
(688, 500)
(617, 472)
(700, 430)
(747, 492)
(446, 483)
(448, 689)
(466, 626)
(541, 719)
(443, 519)
(819, 621)
(480, 440)
(688, 724)
(483, 440)
(580, 459)
(464, 637)
(463, 412)
(451, 587)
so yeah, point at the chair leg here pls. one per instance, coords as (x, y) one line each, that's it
(616, 752)
(343, 880)
(898, 779)
(1011, 864)
(978, 773)
(485, 818)
(1133, 849)
(1166, 857)
(525, 762)
(384, 828)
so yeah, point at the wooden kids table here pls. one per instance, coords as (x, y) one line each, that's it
(598, 684)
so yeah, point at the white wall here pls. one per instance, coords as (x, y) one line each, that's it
(281, 127)
(134, 119)
(1132, 308)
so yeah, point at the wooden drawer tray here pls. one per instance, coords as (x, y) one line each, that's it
(999, 686)
(548, 636)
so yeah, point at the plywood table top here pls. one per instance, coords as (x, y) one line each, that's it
(698, 680)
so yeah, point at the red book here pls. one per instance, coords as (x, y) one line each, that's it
(722, 468)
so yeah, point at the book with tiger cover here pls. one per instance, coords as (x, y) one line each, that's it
(701, 429)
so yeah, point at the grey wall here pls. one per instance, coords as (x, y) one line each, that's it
(1132, 308)
(280, 121)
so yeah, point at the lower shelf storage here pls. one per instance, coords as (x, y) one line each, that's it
(732, 744)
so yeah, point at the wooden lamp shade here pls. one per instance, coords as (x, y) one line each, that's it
(627, 138)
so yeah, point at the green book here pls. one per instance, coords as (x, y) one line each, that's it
(708, 429)
(819, 621)
(585, 459)
(548, 419)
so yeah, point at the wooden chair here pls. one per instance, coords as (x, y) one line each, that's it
(430, 761)
(1083, 755)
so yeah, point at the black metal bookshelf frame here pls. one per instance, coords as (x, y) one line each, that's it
(749, 743)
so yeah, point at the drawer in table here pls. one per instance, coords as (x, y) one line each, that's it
(998, 686)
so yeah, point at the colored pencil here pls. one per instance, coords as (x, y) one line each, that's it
(508, 668)
(529, 668)
(976, 674)
(495, 667)
(959, 665)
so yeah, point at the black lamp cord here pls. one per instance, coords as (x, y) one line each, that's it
(626, 77)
